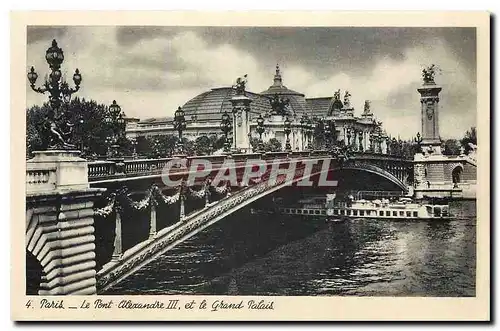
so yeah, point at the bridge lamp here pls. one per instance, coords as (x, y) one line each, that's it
(260, 131)
(305, 124)
(133, 142)
(418, 140)
(287, 129)
(59, 91)
(179, 126)
(226, 127)
(116, 121)
(79, 126)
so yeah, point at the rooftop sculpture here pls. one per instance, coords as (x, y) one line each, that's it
(240, 85)
(429, 73)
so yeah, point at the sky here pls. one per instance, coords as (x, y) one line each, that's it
(150, 71)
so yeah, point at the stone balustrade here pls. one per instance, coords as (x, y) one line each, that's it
(38, 180)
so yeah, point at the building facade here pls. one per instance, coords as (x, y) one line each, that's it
(276, 105)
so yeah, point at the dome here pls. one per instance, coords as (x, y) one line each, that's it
(209, 106)
(297, 101)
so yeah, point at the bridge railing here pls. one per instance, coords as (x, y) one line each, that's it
(100, 170)
(147, 166)
(40, 179)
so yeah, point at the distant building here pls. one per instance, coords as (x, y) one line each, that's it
(203, 115)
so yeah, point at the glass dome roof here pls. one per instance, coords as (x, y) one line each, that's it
(209, 106)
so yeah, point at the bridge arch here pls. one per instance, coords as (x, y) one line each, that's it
(377, 171)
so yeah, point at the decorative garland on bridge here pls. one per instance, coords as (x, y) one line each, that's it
(121, 198)
(168, 200)
(223, 189)
(198, 194)
(108, 209)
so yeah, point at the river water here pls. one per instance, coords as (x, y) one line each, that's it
(248, 254)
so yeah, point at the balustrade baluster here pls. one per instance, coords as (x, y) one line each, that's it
(117, 252)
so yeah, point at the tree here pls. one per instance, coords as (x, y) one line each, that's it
(202, 145)
(217, 141)
(273, 145)
(451, 147)
(470, 137)
(254, 142)
(89, 128)
(408, 149)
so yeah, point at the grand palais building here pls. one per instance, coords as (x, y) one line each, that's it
(203, 117)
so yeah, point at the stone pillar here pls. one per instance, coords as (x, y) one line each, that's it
(241, 123)
(60, 222)
(152, 220)
(118, 251)
(429, 114)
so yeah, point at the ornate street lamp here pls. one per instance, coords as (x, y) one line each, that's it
(331, 133)
(179, 126)
(109, 141)
(79, 127)
(56, 137)
(260, 130)
(226, 128)
(156, 147)
(133, 142)
(319, 128)
(115, 119)
(418, 139)
(287, 129)
(327, 131)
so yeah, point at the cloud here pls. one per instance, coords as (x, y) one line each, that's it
(152, 71)
(391, 87)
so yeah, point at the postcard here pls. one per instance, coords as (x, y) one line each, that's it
(256, 166)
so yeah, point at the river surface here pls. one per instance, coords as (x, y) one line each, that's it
(248, 254)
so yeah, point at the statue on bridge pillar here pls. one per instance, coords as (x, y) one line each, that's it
(241, 120)
(429, 113)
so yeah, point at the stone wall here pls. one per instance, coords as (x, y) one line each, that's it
(60, 235)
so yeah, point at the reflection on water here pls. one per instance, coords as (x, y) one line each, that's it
(255, 255)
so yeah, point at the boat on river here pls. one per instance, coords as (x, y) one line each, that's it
(402, 209)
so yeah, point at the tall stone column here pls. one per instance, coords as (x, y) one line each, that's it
(241, 122)
(429, 114)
